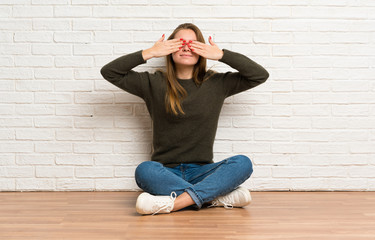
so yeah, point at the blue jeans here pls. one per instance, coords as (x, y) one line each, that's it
(202, 182)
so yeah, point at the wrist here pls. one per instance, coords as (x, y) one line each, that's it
(147, 54)
(221, 55)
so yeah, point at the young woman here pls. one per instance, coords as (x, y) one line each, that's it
(184, 102)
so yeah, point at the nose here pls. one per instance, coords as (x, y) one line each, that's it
(185, 48)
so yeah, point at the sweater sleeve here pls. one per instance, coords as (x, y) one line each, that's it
(250, 74)
(119, 73)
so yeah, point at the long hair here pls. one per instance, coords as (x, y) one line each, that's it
(175, 92)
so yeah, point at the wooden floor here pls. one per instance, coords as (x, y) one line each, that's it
(111, 215)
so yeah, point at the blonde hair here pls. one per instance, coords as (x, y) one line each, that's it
(175, 92)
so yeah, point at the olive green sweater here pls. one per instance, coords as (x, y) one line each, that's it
(185, 138)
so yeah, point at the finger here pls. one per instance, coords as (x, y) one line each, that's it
(197, 45)
(197, 51)
(174, 40)
(162, 38)
(211, 41)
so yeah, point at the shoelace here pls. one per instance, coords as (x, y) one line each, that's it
(173, 197)
(215, 203)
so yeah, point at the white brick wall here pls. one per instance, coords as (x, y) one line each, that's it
(311, 126)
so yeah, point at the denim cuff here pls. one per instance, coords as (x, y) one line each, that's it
(194, 195)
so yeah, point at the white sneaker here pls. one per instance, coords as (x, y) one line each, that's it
(150, 204)
(239, 197)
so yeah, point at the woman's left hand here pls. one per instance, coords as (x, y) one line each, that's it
(211, 51)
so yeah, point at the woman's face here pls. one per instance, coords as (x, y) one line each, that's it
(185, 56)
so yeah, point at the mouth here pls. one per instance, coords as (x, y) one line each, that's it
(185, 55)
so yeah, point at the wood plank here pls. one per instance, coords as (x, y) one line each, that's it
(111, 215)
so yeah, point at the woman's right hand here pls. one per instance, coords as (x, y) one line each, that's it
(162, 48)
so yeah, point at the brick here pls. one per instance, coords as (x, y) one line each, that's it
(289, 148)
(92, 148)
(73, 37)
(74, 110)
(53, 147)
(252, 122)
(93, 122)
(234, 134)
(350, 110)
(34, 85)
(74, 159)
(75, 61)
(115, 36)
(16, 24)
(37, 37)
(32, 11)
(222, 146)
(16, 49)
(7, 184)
(54, 172)
(74, 135)
(73, 86)
(35, 134)
(93, 98)
(272, 135)
(51, 49)
(116, 136)
(17, 97)
(250, 147)
(35, 109)
(52, 24)
(16, 122)
(364, 147)
(16, 172)
(7, 159)
(72, 11)
(288, 172)
(330, 148)
(116, 184)
(130, 148)
(94, 172)
(125, 172)
(53, 73)
(295, 98)
(115, 160)
(329, 12)
(82, 49)
(74, 184)
(272, 12)
(272, 37)
(34, 61)
(311, 110)
(53, 122)
(54, 2)
(35, 159)
(282, 110)
(33, 184)
(56, 98)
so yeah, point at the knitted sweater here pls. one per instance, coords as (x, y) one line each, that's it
(185, 138)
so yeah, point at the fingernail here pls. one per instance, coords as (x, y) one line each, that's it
(210, 37)
(183, 44)
(179, 47)
(181, 39)
(184, 41)
(163, 35)
(192, 50)
(190, 41)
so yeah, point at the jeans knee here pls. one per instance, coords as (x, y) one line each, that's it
(145, 170)
(245, 163)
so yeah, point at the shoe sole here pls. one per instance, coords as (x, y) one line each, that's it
(247, 195)
(139, 203)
